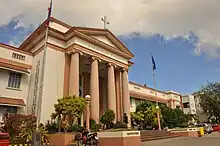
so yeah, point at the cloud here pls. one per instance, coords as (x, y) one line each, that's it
(170, 18)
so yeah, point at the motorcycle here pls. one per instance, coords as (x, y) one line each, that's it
(87, 139)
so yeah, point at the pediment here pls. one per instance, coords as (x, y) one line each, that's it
(106, 37)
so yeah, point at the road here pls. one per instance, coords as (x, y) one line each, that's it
(211, 140)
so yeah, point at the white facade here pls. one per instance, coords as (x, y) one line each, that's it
(189, 105)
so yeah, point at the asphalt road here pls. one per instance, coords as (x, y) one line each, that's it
(207, 140)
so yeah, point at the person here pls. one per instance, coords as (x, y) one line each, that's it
(125, 118)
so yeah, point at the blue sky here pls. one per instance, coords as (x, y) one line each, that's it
(184, 39)
(178, 68)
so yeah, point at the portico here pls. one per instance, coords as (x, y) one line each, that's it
(105, 81)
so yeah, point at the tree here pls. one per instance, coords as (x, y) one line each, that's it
(107, 118)
(67, 110)
(145, 115)
(209, 97)
(172, 117)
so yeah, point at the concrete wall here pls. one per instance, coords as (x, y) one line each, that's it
(192, 106)
(21, 93)
(6, 53)
(53, 82)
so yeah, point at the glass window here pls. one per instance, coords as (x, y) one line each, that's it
(186, 105)
(14, 80)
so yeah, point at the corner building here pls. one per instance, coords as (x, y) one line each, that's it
(78, 61)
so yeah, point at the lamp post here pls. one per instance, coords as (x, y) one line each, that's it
(158, 117)
(87, 97)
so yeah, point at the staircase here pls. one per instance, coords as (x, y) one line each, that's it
(147, 135)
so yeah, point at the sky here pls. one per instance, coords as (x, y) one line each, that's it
(183, 36)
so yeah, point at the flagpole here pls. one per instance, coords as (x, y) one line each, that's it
(42, 79)
(39, 103)
(155, 90)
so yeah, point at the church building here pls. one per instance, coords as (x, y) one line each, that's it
(71, 61)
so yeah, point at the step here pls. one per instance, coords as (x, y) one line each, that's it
(157, 138)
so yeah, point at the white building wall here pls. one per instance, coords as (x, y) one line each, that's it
(21, 93)
(7, 54)
(59, 27)
(192, 105)
(37, 60)
(133, 104)
(147, 91)
(53, 82)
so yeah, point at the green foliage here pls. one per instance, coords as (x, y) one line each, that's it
(107, 118)
(209, 97)
(173, 117)
(95, 127)
(21, 127)
(67, 110)
(145, 115)
(76, 128)
(52, 127)
(120, 125)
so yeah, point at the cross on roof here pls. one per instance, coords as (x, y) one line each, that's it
(106, 21)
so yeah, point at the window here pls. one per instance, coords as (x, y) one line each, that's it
(186, 105)
(14, 80)
(10, 109)
(18, 56)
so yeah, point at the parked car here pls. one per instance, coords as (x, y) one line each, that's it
(216, 128)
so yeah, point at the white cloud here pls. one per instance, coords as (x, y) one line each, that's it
(167, 17)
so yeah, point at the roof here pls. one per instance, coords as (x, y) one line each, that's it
(12, 101)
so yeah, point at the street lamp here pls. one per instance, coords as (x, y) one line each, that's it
(87, 97)
(158, 117)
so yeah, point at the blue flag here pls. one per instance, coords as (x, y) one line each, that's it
(153, 63)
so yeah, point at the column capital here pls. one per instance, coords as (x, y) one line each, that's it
(73, 51)
(111, 64)
(93, 58)
(124, 69)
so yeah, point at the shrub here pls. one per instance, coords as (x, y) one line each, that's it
(120, 125)
(95, 127)
(76, 128)
(107, 118)
(21, 127)
(51, 127)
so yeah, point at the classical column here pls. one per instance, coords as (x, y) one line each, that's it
(118, 95)
(94, 90)
(126, 97)
(111, 89)
(74, 75)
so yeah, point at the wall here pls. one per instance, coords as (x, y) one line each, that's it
(22, 93)
(59, 27)
(147, 91)
(192, 107)
(34, 87)
(6, 53)
(53, 82)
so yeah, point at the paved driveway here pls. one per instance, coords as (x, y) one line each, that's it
(207, 140)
